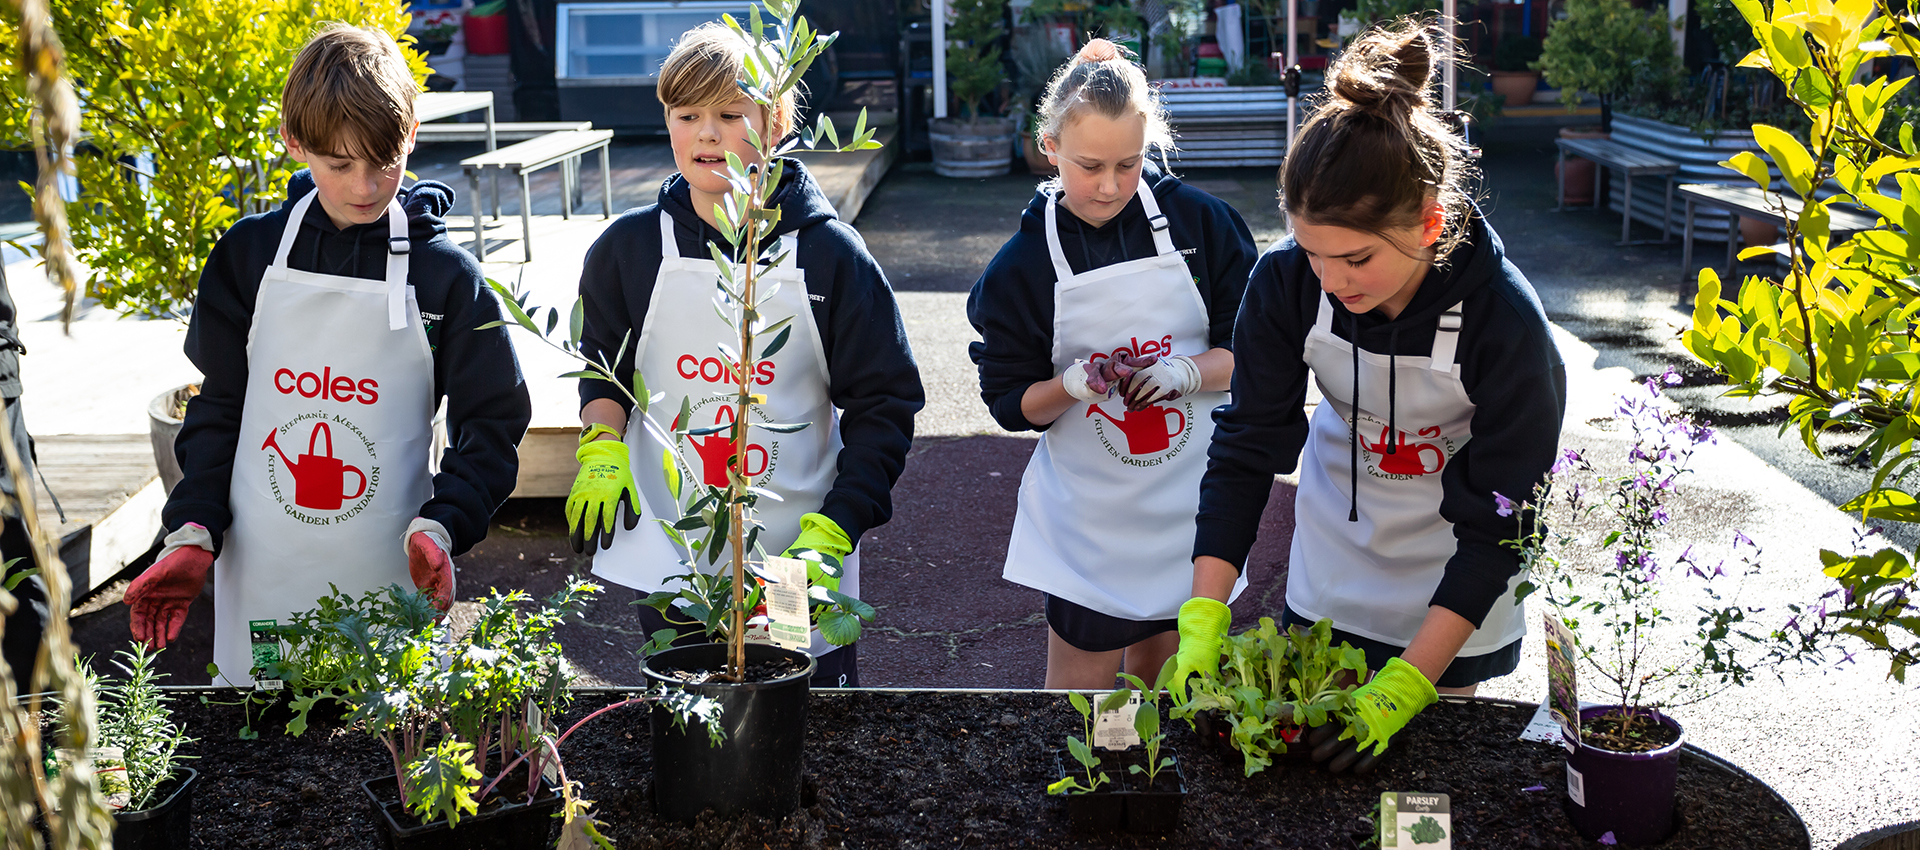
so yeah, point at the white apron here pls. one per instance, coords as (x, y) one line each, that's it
(1374, 577)
(678, 356)
(331, 463)
(1107, 504)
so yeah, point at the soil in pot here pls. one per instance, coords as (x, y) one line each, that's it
(950, 770)
(507, 819)
(167, 825)
(758, 767)
(1578, 171)
(1621, 777)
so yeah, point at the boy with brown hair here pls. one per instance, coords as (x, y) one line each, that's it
(329, 331)
(846, 368)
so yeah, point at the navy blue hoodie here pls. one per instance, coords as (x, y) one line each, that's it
(872, 377)
(474, 370)
(1508, 363)
(1011, 305)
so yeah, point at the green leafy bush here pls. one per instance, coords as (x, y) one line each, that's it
(1834, 335)
(1610, 49)
(974, 68)
(1271, 683)
(1516, 53)
(180, 108)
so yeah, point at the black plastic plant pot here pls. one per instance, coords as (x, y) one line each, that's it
(168, 826)
(1216, 732)
(1155, 809)
(1627, 794)
(758, 767)
(1100, 810)
(511, 825)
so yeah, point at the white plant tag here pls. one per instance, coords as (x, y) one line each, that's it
(1576, 787)
(1413, 819)
(537, 725)
(1113, 730)
(110, 775)
(787, 603)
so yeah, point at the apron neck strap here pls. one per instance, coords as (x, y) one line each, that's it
(397, 250)
(1324, 321)
(669, 246)
(1446, 340)
(1162, 240)
(1061, 270)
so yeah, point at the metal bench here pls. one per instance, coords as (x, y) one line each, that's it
(1608, 154)
(521, 160)
(1749, 202)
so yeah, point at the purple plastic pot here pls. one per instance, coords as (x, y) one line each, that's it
(1627, 794)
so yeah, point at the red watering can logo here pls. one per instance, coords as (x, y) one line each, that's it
(1148, 429)
(319, 480)
(717, 453)
(1409, 458)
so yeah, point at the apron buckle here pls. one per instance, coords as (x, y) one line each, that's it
(1157, 222)
(399, 245)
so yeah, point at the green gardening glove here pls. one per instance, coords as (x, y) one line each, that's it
(602, 489)
(1203, 622)
(822, 535)
(1383, 705)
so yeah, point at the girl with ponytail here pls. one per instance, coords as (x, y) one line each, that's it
(1442, 388)
(1106, 324)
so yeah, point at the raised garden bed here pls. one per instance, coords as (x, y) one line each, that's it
(969, 768)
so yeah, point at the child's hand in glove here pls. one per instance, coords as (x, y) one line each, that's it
(1158, 379)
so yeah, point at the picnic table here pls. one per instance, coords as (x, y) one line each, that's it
(1607, 154)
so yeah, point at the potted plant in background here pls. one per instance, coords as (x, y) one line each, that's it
(1513, 73)
(758, 690)
(137, 761)
(1036, 56)
(1587, 539)
(982, 144)
(1606, 48)
(170, 179)
(486, 29)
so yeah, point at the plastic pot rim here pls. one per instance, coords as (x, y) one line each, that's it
(165, 806)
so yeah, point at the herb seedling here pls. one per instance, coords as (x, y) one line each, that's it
(1146, 721)
(1082, 750)
(135, 717)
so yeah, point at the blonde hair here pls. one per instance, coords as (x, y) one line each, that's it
(350, 94)
(1102, 79)
(1377, 153)
(706, 68)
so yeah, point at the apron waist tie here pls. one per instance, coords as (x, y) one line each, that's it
(1353, 425)
(1393, 384)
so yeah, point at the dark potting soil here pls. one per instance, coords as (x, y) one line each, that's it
(766, 670)
(893, 770)
(1613, 732)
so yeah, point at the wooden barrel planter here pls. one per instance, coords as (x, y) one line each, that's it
(982, 147)
(1904, 836)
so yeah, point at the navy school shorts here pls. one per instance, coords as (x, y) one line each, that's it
(1091, 631)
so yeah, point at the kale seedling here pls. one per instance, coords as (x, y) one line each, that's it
(1082, 750)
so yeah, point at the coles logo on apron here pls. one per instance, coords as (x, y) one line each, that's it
(318, 480)
(1151, 435)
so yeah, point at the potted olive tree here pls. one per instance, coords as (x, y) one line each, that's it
(183, 109)
(760, 688)
(1589, 538)
(1514, 76)
(982, 144)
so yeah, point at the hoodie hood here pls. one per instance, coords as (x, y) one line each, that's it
(1161, 183)
(425, 203)
(798, 197)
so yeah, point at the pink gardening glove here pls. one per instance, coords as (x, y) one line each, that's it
(157, 600)
(431, 568)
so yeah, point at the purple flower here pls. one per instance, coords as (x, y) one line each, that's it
(1534, 788)
(1740, 538)
(1608, 839)
(1670, 377)
(1504, 505)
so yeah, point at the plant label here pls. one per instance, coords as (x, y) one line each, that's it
(1410, 819)
(109, 773)
(1576, 786)
(1113, 730)
(264, 636)
(537, 726)
(787, 603)
(1563, 696)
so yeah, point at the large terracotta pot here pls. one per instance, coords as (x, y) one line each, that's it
(1517, 86)
(1579, 172)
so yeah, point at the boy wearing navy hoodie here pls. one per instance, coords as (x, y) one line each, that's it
(846, 369)
(329, 331)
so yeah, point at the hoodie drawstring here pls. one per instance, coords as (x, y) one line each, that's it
(1353, 426)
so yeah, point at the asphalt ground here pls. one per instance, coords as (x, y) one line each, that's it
(1838, 741)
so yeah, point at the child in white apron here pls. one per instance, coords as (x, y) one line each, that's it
(846, 368)
(329, 330)
(1105, 324)
(1442, 387)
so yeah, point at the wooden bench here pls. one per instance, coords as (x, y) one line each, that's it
(506, 131)
(1750, 202)
(525, 158)
(1608, 154)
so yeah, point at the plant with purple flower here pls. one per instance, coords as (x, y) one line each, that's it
(1626, 632)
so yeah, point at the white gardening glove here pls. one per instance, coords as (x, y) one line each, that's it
(1086, 382)
(1165, 379)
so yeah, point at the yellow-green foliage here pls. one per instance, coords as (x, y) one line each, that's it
(1836, 334)
(195, 85)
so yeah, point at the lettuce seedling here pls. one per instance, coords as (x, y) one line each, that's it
(1271, 684)
(1082, 750)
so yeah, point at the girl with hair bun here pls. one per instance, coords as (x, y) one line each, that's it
(1442, 388)
(1106, 324)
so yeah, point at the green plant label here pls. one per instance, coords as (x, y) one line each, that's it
(1410, 819)
(1563, 694)
(265, 638)
(1114, 730)
(787, 603)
